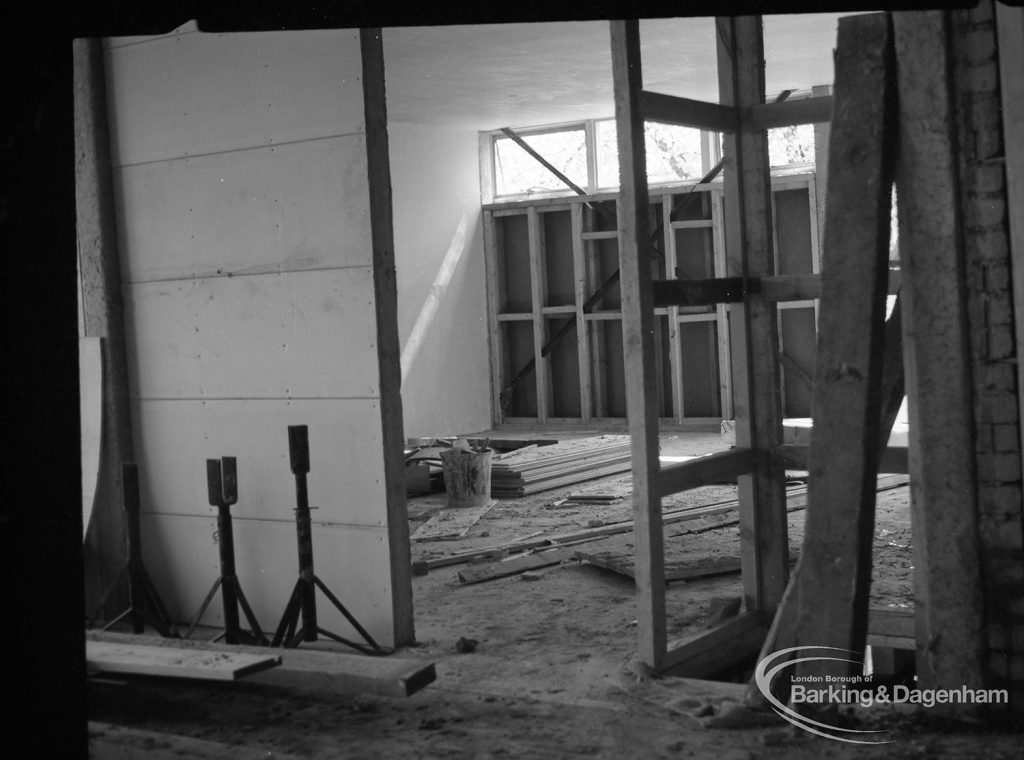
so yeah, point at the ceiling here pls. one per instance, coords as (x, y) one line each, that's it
(489, 76)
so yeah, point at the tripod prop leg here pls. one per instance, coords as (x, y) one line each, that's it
(222, 489)
(145, 605)
(303, 598)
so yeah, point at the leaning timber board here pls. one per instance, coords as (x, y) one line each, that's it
(113, 742)
(140, 659)
(319, 670)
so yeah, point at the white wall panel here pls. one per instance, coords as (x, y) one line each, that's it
(183, 561)
(196, 93)
(301, 334)
(442, 314)
(290, 207)
(243, 201)
(173, 440)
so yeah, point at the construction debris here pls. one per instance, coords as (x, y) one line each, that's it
(465, 646)
(722, 556)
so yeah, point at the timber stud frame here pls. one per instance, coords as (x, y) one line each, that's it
(753, 290)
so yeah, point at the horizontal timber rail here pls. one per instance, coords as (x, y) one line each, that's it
(893, 628)
(710, 652)
(705, 292)
(794, 457)
(775, 289)
(790, 112)
(704, 471)
(670, 109)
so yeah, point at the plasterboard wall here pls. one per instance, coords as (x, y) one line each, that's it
(442, 316)
(243, 211)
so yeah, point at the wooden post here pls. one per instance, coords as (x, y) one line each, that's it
(538, 288)
(388, 346)
(753, 326)
(675, 344)
(821, 138)
(492, 243)
(835, 577)
(638, 340)
(101, 310)
(948, 600)
(725, 384)
(579, 268)
(592, 331)
(1010, 28)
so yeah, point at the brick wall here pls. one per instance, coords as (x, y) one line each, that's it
(993, 342)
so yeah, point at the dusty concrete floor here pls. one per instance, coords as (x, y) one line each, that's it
(553, 674)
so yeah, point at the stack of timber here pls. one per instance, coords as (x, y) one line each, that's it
(563, 464)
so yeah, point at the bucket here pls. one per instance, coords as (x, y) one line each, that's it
(467, 476)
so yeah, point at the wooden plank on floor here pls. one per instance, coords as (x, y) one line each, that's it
(112, 742)
(937, 358)
(638, 338)
(719, 554)
(515, 565)
(142, 660)
(451, 524)
(319, 670)
(690, 519)
(622, 563)
(588, 534)
(835, 575)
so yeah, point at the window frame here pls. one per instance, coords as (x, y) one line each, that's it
(590, 135)
(589, 143)
(710, 140)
